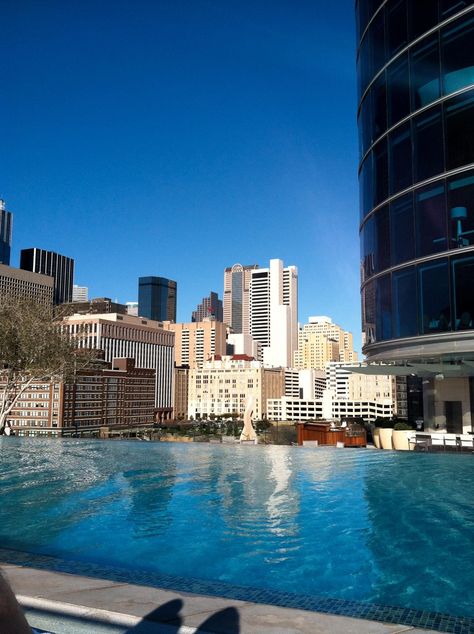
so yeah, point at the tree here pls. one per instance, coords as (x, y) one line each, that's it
(33, 349)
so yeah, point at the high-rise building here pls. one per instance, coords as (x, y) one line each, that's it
(59, 267)
(143, 340)
(237, 297)
(274, 312)
(132, 308)
(321, 341)
(416, 125)
(18, 284)
(196, 342)
(80, 293)
(6, 222)
(209, 307)
(157, 298)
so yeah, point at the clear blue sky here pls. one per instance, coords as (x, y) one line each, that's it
(175, 138)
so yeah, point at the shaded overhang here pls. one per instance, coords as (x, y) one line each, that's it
(447, 370)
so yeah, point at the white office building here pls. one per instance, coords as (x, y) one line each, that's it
(274, 312)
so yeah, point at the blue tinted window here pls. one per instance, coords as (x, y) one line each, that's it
(433, 297)
(368, 248)
(459, 117)
(457, 54)
(450, 7)
(430, 215)
(365, 124)
(404, 303)
(463, 287)
(366, 186)
(398, 93)
(383, 303)
(380, 165)
(400, 145)
(368, 312)
(377, 42)
(402, 229)
(379, 106)
(428, 144)
(397, 31)
(424, 72)
(422, 16)
(461, 210)
(382, 239)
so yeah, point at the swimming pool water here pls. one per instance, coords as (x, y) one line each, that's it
(390, 528)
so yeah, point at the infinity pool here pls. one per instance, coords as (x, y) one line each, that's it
(389, 528)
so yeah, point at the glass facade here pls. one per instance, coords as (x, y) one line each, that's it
(157, 298)
(6, 220)
(415, 65)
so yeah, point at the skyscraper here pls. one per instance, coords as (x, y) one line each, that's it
(157, 298)
(80, 293)
(416, 129)
(274, 312)
(236, 297)
(209, 307)
(6, 221)
(59, 267)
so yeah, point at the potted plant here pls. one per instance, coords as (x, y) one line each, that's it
(400, 436)
(378, 424)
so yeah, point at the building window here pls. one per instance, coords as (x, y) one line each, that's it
(400, 145)
(463, 288)
(459, 114)
(430, 213)
(404, 306)
(398, 90)
(457, 54)
(461, 210)
(433, 293)
(424, 72)
(402, 229)
(383, 325)
(428, 144)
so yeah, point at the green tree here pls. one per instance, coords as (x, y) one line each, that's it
(33, 348)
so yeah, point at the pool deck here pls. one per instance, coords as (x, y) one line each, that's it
(100, 605)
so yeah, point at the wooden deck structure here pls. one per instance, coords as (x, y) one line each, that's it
(328, 434)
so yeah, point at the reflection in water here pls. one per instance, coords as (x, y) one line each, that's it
(422, 528)
(351, 524)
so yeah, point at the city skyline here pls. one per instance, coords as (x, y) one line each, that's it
(167, 140)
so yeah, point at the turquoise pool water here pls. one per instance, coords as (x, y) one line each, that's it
(390, 528)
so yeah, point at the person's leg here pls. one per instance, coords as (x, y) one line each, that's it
(12, 619)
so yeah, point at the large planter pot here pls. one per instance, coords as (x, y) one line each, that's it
(386, 438)
(400, 439)
(376, 437)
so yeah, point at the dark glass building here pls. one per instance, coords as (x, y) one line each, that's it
(157, 298)
(57, 266)
(6, 221)
(416, 132)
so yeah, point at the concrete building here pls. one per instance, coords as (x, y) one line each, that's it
(59, 267)
(19, 284)
(223, 384)
(80, 293)
(196, 342)
(321, 341)
(157, 297)
(274, 312)
(339, 395)
(143, 340)
(118, 396)
(238, 343)
(416, 175)
(181, 391)
(209, 307)
(237, 297)
(132, 308)
(6, 224)
(96, 306)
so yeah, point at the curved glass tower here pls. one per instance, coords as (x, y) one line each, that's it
(416, 132)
